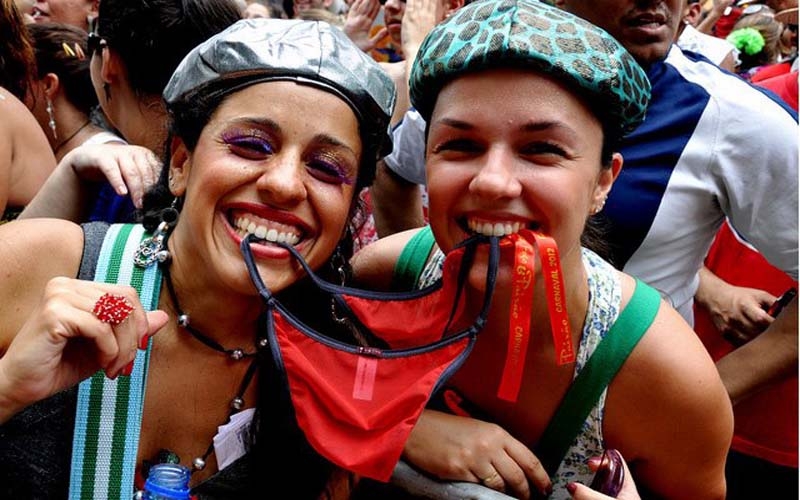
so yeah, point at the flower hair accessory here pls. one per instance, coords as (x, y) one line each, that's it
(748, 40)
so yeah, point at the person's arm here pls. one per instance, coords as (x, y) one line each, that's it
(717, 11)
(66, 193)
(729, 63)
(50, 338)
(770, 357)
(668, 413)
(735, 311)
(373, 265)
(396, 203)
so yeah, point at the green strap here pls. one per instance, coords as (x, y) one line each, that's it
(412, 260)
(108, 413)
(596, 374)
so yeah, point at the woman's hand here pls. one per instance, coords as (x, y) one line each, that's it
(359, 21)
(583, 492)
(458, 448)
(419, 19)
(64, 342)
(129, 169)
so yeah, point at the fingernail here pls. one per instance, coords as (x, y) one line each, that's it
(571, 487)
(143, 342)
(128, 369)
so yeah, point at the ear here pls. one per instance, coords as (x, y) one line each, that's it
(695, 14)
(112, 67)
(450, 6)
(605, 181)
(93, 9)
(179, 167)
(51, 85)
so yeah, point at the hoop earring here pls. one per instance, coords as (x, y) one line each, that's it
(154, 248)
(52, 122)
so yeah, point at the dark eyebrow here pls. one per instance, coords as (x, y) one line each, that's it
(452, 122)
(527, 127)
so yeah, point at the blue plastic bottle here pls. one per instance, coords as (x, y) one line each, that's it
(166, 482)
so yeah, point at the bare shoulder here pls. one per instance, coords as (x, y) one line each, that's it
(668, 409)
(32, 252)
(24, 148)
(373, 265)
(671, 354)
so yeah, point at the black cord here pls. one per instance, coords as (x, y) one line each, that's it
(183, 322)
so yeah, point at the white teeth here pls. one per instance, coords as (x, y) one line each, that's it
(497, 229)
(246, 226)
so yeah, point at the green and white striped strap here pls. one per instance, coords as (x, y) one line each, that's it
(109, 413)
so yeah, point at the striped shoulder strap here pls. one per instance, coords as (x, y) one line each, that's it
(109, 412)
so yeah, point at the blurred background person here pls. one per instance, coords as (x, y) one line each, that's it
(63, 96)
(758, 39)
(79, 13)
(133, 51)
(26, 158)
(719, 51)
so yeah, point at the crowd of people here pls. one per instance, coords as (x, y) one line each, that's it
(398, 249)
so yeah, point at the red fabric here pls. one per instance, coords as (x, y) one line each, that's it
(364, 435)
(357, 409)
(785, 86)
(771, 71)
(724, 24)
(765, 425)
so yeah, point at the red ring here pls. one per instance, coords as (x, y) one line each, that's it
(112, 309)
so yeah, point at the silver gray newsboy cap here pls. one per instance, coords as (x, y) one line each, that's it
(307, 52)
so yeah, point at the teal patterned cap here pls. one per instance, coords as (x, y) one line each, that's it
(533, 35)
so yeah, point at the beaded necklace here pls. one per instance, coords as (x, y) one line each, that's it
(236, 354)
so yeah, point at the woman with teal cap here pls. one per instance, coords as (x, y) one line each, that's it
(525, 105)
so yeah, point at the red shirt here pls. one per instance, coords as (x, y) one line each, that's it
(765, 424)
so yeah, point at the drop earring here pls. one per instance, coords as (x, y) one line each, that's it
(52, 122)
(599, 207)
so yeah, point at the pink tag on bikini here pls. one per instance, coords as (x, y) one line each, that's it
(365, 378)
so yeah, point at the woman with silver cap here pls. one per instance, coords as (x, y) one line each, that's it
(275, 127)
(525, 105)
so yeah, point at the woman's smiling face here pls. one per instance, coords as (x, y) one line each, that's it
(510, 149)
(262, 166)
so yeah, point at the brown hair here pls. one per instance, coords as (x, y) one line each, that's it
(17, 61)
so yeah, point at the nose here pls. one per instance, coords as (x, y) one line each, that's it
(496, 178)
(393, 5)
(282, 182)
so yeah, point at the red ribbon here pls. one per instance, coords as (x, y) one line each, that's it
(522, 306)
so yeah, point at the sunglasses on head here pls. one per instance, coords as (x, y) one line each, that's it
(95, 42)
